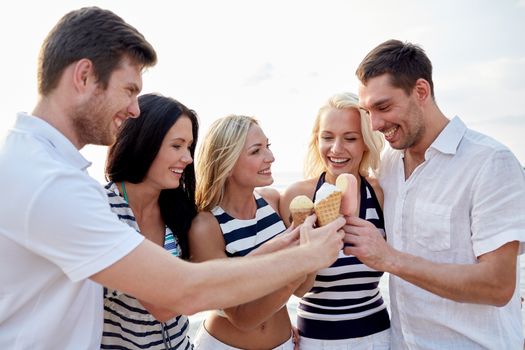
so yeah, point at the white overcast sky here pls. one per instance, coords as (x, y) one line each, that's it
(280, 60)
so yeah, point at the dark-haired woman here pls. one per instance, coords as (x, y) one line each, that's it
(152, 188)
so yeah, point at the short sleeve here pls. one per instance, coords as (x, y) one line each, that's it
(70, 223)
(498, 203)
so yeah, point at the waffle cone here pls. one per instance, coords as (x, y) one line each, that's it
(327, 210)
(300, 208)
(299, 215)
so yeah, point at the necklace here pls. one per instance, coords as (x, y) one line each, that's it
(124, 192)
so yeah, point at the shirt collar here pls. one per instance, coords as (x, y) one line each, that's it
(44, 131)
(448, 140)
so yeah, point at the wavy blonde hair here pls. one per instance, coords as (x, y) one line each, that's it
(217, 156)
(314, 166)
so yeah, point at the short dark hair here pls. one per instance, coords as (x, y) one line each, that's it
(138, 143)
(96, 34)
(404, 62)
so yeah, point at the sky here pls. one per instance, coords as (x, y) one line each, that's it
(279, 61)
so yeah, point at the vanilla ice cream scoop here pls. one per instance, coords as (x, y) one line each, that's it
(327, 203)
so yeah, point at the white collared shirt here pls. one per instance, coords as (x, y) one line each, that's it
(466, 199)
(56, 230)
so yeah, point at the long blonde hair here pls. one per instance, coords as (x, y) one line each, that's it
(373, 140)
(218, 153)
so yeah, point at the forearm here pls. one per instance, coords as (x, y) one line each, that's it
(161, 314)
(228, 282)
(478, 283)
(305, 286)
(250, 315)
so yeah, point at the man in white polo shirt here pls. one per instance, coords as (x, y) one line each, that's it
(59, 240)
(454, 214)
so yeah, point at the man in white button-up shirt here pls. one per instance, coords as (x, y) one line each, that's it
(454, 214)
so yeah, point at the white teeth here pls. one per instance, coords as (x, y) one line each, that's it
(176, 171)
(390, 131)
(338, 160)
(118, 122)
(263, 172)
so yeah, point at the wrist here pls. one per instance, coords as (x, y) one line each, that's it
(393, 262)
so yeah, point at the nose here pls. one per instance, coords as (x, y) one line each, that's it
(134, 109)
(187, 158)
(270, 158)
(376, 122)
(337, 145)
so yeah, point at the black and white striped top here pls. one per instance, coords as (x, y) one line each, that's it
(243, 236)
(345, 300)
(127, 325)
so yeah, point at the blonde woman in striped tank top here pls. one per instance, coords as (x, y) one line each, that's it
(234, 220)
(343, 307)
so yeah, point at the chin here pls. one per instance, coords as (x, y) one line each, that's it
(266, 183)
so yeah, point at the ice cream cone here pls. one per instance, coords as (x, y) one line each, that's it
(347, 183)
(327, 209)
(300, 208)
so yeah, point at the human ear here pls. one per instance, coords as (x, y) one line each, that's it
(422, 89)
(82, 71)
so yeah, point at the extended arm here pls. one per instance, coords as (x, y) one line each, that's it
(151, 274)
(491, 280)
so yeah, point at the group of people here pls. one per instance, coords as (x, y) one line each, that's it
(440, 210)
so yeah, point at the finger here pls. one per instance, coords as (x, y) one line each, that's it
(294, 234)
(335, 224)
(350, 239)
(349, 250)
(309, 221)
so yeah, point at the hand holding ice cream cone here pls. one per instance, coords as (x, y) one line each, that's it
(331, 201)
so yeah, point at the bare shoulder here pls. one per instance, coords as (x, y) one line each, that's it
(269, 193)
(303, 187)
(203, 223)
(205, 238)
(374, 182)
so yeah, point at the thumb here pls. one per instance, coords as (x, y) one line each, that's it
(306, 227)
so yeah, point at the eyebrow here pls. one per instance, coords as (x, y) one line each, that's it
(258, 144)
(134, 87)
(381, 102)
(180, 139)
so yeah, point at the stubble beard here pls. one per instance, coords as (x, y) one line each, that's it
(92, 124)
(416, 129)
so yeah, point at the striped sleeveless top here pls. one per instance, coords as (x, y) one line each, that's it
(345, 300)
(243, 236)
(127, 324)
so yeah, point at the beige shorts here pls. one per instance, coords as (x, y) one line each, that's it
(205, 341)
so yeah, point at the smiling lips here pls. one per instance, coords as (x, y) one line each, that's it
(176, 171)
(338, 160)
(390, 132)
(265, 172)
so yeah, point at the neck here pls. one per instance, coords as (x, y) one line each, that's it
(435, 122)
(140, 197)
(55, 113)
(239, 202)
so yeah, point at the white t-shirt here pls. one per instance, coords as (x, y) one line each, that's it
(56, 230)
(466, 199)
